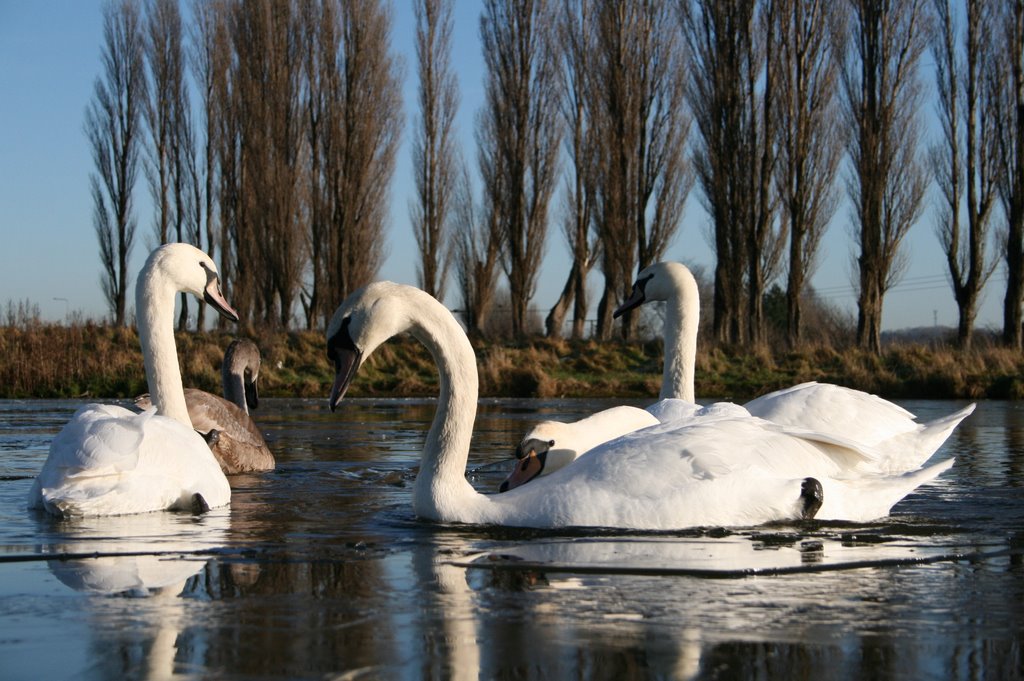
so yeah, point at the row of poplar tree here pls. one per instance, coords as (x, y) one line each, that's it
(268, 131)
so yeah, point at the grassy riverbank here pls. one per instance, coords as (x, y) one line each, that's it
(97, 361)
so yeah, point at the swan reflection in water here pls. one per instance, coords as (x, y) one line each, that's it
(136, 555)
(152, 558)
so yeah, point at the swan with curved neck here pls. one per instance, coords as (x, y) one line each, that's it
(111, 461)
(225, 423)
(676, 286)
(556, 444)
(831, 410)
(732, 471)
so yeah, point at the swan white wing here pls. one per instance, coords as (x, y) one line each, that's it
(108, 460)
(99, 439)
(887, 434)
(833, 409)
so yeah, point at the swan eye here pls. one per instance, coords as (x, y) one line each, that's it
(551, 443)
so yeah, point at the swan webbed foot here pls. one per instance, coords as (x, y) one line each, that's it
(811, 495)
(212, 437)
(199, 505)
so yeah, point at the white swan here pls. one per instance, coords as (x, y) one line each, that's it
(727, 471)
(551, 445)
(233, 436)
(677, 402)
(849, 415)
(832, 410)
(108, 460)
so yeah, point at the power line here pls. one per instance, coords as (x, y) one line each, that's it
(909, 285)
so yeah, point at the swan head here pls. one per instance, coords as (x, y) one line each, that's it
(366, 319)
(543, 450)
(659, 282)
(242, 361)
(189, 270)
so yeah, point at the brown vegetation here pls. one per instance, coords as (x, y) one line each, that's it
(88, 360)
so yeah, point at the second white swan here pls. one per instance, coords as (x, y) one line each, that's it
(109, 460)
(729, 471)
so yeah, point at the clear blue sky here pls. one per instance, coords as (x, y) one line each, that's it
(50, 57)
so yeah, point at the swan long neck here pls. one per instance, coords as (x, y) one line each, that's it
(154, 307)
(682, 316)
(441, 486)
(233, 382)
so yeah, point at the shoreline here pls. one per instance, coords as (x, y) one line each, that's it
(105, 362)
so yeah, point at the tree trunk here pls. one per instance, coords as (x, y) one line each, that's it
(556, 317)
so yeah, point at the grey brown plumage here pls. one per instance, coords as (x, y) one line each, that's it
(239, 446)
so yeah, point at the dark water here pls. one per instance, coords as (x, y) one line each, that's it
(319, 570)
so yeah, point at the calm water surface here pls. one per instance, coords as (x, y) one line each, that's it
(320, 570)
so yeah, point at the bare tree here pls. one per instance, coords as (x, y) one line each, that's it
(642, 125)
(807, 140)
(434, 148)
(228, 135)
(520, 110)
(882, 93)
(320, 40)
(269, 238)
(363, 129)
(733, 155)
(765, 237)
(169, 121)
(964, 163)
(575, 36)
(112, 125)
(163, 53)
(209, 20)
(477, 252)
(1007, 78)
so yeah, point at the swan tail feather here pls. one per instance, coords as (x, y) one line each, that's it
(864, 500)
(909, 451)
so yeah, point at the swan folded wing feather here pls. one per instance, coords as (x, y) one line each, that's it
(912, 449)
(98, 440)
(108, 460)
(831, 408)
(208, 411)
